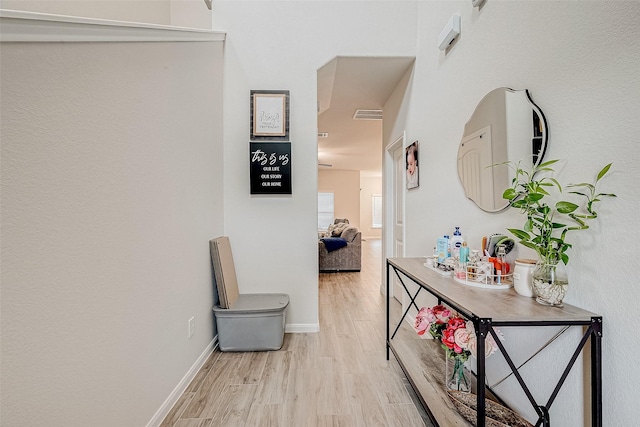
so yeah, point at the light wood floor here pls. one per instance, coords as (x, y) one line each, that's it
(337, 377)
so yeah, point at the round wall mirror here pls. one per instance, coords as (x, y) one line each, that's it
(505, 126)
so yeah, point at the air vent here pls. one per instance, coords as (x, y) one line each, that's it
(323, 134)
(368, 115)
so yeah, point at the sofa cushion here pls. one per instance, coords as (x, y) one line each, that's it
(349, 233)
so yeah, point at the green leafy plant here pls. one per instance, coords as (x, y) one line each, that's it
(546, 227)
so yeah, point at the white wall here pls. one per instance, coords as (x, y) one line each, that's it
(580, 60)
(281, 45)
(111, 190)
(190, 13)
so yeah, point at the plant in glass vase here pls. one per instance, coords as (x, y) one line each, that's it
(546, 227)
(458, 338)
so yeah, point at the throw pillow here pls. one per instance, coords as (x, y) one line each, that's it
(338, 229)
(349, 233)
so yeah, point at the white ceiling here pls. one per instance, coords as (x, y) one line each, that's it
(345, 85)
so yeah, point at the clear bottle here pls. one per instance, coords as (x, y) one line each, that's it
(462, 262)
(501, 265)
(474, 257)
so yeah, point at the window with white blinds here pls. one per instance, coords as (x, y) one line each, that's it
(325, 210)
(376, 214)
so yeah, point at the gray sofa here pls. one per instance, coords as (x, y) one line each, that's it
(348, 258)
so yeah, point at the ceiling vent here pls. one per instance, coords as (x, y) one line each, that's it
(368, 115)
(323, 134)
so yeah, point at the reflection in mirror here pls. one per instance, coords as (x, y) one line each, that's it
(505, 126)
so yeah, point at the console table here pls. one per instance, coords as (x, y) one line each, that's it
(487, 309)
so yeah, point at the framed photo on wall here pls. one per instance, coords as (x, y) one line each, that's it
(270, 115)
(411, 162)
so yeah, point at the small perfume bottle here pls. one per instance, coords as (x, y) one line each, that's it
(464, 253)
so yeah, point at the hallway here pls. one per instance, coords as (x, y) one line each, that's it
(337, 377)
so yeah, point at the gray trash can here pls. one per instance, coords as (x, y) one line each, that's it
(255, 322)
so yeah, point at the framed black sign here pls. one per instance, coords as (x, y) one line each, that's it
(270, 167)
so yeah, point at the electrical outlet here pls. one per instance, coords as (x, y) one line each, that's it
(192, 326)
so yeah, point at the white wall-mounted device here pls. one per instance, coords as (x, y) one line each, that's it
(449, 32)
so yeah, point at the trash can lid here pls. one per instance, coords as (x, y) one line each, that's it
(256, 303)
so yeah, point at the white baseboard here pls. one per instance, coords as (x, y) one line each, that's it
(301, 328)
(159, 416)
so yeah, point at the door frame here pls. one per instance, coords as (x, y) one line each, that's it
(387, 206)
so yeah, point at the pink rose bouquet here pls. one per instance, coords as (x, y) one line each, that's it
(457, 336)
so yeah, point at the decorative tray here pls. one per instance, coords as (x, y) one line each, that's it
(474, 276)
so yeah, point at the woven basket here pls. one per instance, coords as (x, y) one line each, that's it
(496, 414)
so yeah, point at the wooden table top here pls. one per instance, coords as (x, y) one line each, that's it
(499, 305)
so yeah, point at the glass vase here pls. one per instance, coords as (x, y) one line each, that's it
(550, 283)
(457, 377)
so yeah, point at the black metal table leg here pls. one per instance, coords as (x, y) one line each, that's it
(596, 372)
(388, 319)
(482, 326)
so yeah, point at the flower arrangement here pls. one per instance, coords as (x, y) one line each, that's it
(457, 337)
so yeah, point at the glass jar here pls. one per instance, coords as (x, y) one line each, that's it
(457, 376)
(550, 283)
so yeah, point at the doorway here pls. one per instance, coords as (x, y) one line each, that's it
(352, 95)
(394, 171)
